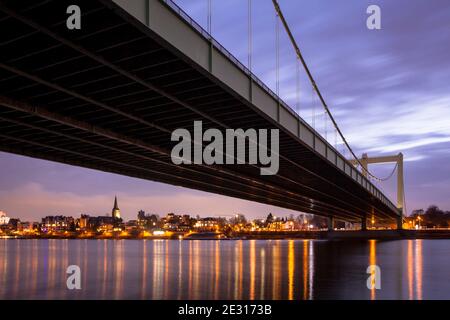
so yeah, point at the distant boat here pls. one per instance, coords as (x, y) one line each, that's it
(204, 236)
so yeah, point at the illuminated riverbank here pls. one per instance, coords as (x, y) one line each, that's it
(257, 235)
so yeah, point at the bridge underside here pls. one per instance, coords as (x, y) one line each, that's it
(108, 96)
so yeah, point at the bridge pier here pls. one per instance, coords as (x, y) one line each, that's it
(399, 222)
(330, 223)
(364, 224)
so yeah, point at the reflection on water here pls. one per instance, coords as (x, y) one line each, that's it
(418, 267)
(224, 269)
(373, 262)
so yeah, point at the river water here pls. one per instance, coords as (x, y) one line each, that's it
(224, 269)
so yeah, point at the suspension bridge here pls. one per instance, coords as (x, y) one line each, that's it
(108, 96)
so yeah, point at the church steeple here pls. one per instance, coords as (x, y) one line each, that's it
(115, 203)
(116, 210)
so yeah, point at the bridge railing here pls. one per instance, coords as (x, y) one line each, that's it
(227, 53)
(177, 9)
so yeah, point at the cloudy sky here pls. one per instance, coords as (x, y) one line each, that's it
(389, 90)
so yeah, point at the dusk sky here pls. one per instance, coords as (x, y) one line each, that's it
(389, 90)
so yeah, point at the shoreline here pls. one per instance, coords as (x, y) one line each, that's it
(285, 235)
(355, 235)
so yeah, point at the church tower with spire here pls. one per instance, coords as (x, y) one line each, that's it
(116, 210)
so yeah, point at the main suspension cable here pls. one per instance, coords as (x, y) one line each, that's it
(392, 172)
(313, 83)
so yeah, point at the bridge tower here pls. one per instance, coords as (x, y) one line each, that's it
(398, 159)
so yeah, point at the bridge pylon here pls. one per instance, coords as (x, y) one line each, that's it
(398, 159)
